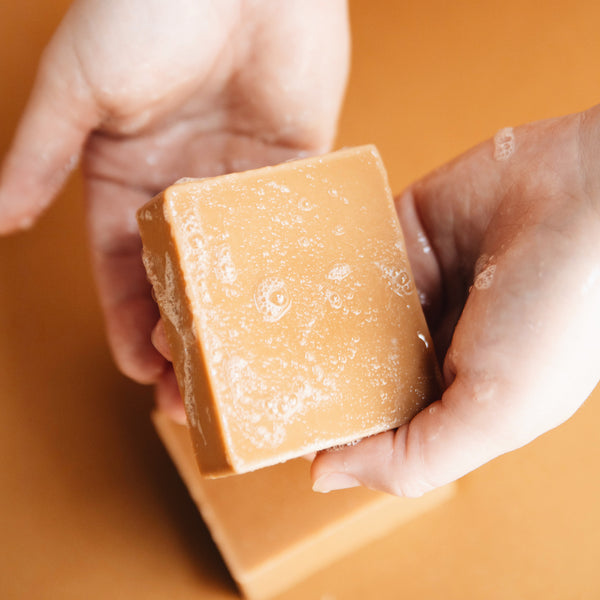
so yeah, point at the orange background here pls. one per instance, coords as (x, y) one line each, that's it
(90, 506)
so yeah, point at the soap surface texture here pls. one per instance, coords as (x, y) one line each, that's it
(289, 307)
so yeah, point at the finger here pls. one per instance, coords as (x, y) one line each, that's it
(435, 448)
(159, 340)
(50, 135)
(168, 398)
(125, 294)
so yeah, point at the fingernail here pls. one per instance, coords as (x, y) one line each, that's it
(335, 481)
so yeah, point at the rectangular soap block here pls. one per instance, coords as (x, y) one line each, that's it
(289, 307)
(273, 530)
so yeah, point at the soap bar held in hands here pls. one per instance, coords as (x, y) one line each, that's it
(289, 307)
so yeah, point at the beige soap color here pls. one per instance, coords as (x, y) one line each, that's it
(272, 530)
(289, 307)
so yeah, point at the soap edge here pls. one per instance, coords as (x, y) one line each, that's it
(251, 173)
(161, 229)
(344, 537)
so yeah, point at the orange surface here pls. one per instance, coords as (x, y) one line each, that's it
(272, 530)
(91, 507)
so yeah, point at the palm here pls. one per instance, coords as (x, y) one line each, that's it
(122, 172)
(155, 90)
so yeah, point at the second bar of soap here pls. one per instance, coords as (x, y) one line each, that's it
(289, 307)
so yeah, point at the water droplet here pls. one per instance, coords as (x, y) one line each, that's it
(272, 299)
(423, 339)
(338, 230)
(424, 243)
(304, 242)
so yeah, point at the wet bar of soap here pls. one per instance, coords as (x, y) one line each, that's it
(272, 530)
(289, 307)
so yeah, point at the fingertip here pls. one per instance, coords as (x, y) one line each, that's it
(168, 398)
(330, 482)
(143, 366)
(133, 352)
(17, 215)
(48, 141)
(10, 225)
(365, 463)
(433, 449)
(159, 340)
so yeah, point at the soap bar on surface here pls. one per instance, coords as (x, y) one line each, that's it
(272, 529)
(289, 307)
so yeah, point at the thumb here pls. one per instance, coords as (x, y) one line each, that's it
(510, 383)
(441, 443)
(60, 113)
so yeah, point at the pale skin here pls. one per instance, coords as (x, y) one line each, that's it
(144, 92)
(505, 251)
(507, 256)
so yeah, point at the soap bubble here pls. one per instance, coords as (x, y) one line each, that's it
(272, 299)
(398, 279)
(339, 272)
(318, 372)
(225, 270)
(504, 144)
(305, 205)
(484, 280)
(334, 299)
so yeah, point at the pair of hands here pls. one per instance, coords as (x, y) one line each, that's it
(505, 250)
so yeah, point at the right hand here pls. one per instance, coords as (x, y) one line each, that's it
(505, 249)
